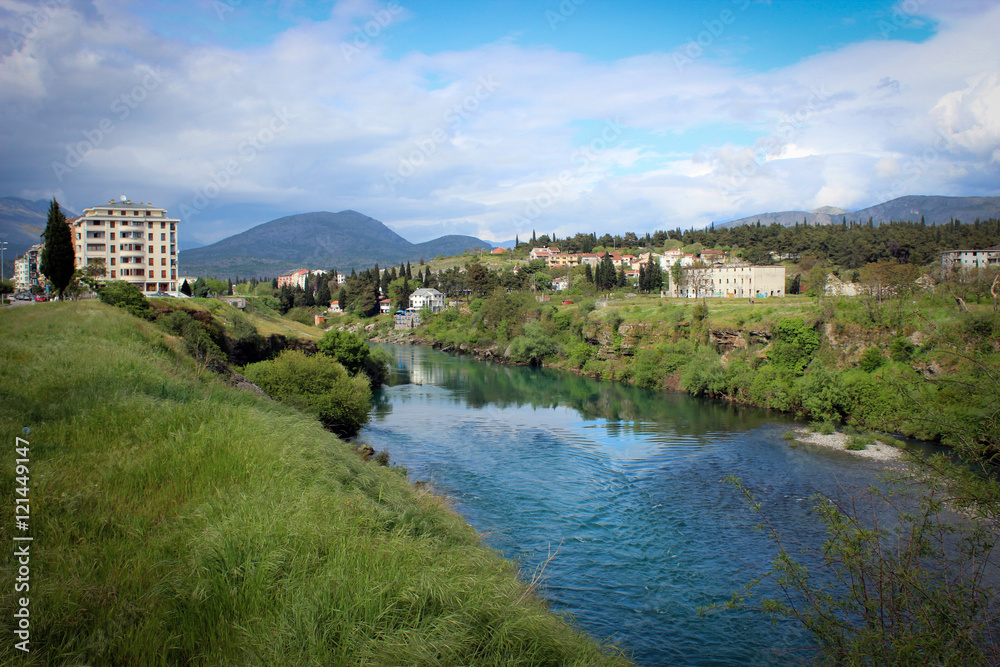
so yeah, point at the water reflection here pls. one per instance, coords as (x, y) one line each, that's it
(627, 483)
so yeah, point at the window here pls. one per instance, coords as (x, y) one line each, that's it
(163, 225)
(110, 224)
(163, 248)
(112, 236)
(163, 261)
(150, 261)
(163, 274)
(112, 264)
(163, 237)
(112, 273)
(150, 237)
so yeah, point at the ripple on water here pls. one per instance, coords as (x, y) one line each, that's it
(646, 529)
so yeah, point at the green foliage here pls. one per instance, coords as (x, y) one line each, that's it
(859, 442)
(126, 296)
(822, 393)
(904, 592)
(823, 427)
(6, 286)
(347, 348)
(196, 337)
(354, 354)
(533, 346)
(579, 354)
(59, 256)
(794, 345)
(871, 360)
(704, 375)
(317, 385)
(901, 349)
(700, 311)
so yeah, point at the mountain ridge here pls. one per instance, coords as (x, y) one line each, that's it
(934, 209)
(344, 240)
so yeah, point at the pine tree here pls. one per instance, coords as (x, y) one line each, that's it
(58, 257)
(230, 287)
(409, 274)
(185, 288)
(323, 293)
(588, 273)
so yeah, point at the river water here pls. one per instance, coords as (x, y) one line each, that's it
(625, 486)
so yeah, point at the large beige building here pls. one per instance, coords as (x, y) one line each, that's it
(732, 280)
(137, 242)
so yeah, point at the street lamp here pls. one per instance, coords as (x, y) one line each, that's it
(3, 244)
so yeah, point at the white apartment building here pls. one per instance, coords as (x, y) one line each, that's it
(952, 260)
(732, 280)
(26, 273)
(137, 242)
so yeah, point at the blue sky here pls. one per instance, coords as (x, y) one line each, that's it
(493, 118)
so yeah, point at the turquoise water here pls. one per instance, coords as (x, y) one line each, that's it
(625, 486)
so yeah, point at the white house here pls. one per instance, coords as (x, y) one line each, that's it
(427, 297)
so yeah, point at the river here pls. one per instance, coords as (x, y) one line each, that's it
(625, 486)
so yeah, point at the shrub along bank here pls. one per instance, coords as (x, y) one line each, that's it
(179, 521)
(918, 366)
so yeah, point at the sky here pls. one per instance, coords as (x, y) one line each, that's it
(496, 119)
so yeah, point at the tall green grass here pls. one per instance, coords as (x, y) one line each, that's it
(176, 520)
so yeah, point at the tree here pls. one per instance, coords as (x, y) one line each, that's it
(185, 288)
(58, 257)
(200, 288)
(91, 273)
(323, 292)
(342, 299)
(6, 287)
(126, 296)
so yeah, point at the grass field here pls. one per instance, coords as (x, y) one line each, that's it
(178, 521)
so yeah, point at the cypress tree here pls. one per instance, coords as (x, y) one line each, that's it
(59, 257)
(342, 299)
(185, 288)
(409, 274)
(323, 293)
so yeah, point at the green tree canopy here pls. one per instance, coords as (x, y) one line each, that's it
(59, 257)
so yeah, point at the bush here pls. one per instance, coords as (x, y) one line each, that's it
(128, 297)
(704, 375)
(580, 354)
(350, 350)
(197, 339)
(794, 345)
(533, 346)
(871, 360)
(317, 385)
(900, 349)
(700, 311)
(861, 441)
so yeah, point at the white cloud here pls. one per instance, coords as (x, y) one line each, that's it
(478, 141)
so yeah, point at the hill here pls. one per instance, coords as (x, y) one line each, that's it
(181, 521)
(15, 214)
(935, 210)
(321, 240)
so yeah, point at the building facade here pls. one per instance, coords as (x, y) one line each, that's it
(26, 273)
(954, 260)
(136, 242)
(427, 297)
(734, 280)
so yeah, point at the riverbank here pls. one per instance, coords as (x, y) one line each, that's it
(176, 519)
(838, 361)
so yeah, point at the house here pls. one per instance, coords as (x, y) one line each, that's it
(384, 306)
(953, 260)
(560, 284)
(334, 307)
(732, 280)
(713, 256)
(235, 301)
(427, 297)
(498, 251)
(837, 287)
(136, 242)
(294, 279)
(542, 253)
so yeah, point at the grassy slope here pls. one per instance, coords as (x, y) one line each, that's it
(178, 521)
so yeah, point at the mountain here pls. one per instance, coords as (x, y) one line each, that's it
(346, 240)
(935, 210)
(15, 214)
